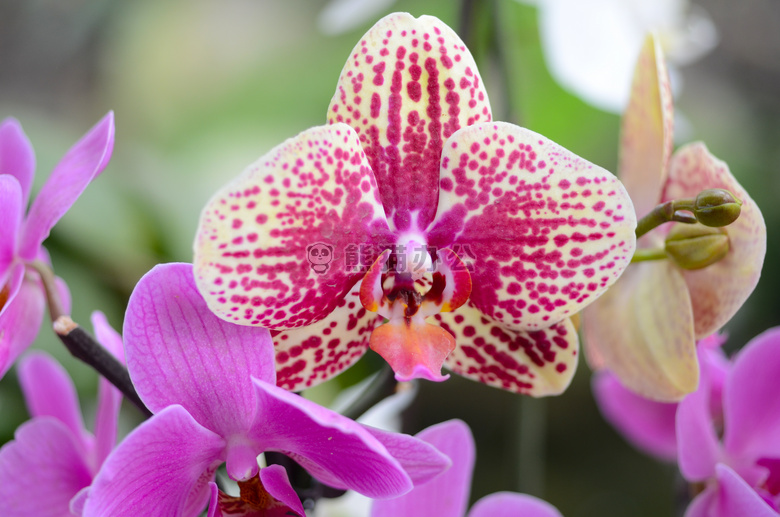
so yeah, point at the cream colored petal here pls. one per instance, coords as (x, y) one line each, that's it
(646, 132)
(538, 363)
(718, 291)
(642, 330)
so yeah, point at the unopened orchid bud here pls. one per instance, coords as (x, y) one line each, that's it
(694, 246)
(716, 207)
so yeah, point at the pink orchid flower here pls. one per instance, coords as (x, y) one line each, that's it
(448, 494)
(650, 425)
(53, 450)
(645, 327)
(412, 204)
(741, 471)
(211, 387)
(22, 298)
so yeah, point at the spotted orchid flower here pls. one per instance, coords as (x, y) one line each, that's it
(53, 450)
(22, 232)
(423, 211)
(740, 472)
(211, 387)
(644, 328)
(448, 494)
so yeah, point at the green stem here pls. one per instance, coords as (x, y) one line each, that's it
(666, 213)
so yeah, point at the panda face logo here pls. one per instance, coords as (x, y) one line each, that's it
(319, 256)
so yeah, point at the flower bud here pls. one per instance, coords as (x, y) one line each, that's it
(694, 246)
(716, 207)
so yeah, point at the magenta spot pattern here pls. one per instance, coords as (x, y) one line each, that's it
(251, 249)
(411, 157)
(549, 231)
(408, 85)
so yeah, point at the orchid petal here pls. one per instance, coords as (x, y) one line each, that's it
(413, 349)
(421, 459)
(651, 350)
(252, 252)
(719, 290)
(80, 165)
(698, 447)
(647, 424)
(276, 482)
(333, 448)
(11, 212)
(549, 231)
(309, 356)
(752, 409)
(21, 319)
(17, 157)
(109, 398)
(49, 391)
(41, 470)
(8, 291)
(537, 363)
(408, 85)
(508, 504)
(647, 127)
(179, 352)
(448, 494)
(733, 497)
(163, 467)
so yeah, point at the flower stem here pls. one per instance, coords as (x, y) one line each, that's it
(83, 346)
(666, 213)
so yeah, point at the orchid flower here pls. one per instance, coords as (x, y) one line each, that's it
(650, 425)
(53, 450)
(211, 387)
(22, 298)
(590, 46)
(741, 472)
(412, 204)
(448, 494)
(644, 328)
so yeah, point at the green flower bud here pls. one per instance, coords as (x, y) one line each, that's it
(716, 207)
(694, 246)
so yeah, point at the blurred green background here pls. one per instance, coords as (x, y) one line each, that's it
(203, 88)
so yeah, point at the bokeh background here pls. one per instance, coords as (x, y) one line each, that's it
(202, 88)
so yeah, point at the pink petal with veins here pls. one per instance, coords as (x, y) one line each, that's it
(179, 352)
(537, 363)
(549, 231)
(252, 252)
(309, 356)
(719, 290)
(509, 504)
(20, 319)
(11, 212)
(751, 405)
(16, 156)
(407, 86)
(646, 133)
(80, 165)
